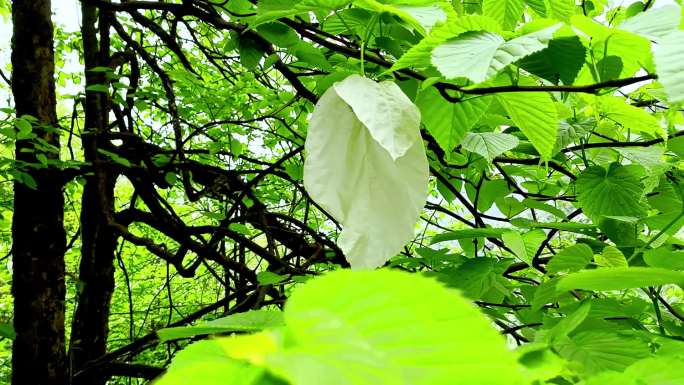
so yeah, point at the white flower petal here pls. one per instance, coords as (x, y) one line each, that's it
(376, 197)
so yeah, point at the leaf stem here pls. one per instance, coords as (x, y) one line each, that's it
(369, 31)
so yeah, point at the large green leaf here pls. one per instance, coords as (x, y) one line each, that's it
(208, 363)
(524, 245)
(422, 15)
(560, 9)
(568, 324)
(468, 56)
(544, 294)
(654, 24)
(507, 12)
(570, 259)
(473, 277)
(560, 61)
(420, 54)
(623, 51)
(538, 6)
(611, 257)
(636, 119)
(658, 371)
(489, 144)
(597, 351)
(619, 278)
(612, 192)
(379, 329)
(536, 115)
(664, 258)
(449, 122)
(251, 321)
(479, 56)
(668, 56)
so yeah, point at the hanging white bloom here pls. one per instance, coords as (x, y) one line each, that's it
(366, 165)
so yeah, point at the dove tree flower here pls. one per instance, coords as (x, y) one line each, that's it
(366, 165)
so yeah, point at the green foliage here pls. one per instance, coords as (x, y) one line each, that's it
(619, 278)
(252, 321)
(449, 123)
(368, 333)
(613, 191)
(489, 144)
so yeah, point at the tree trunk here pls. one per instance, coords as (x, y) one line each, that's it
(38, 237)
(90, 326)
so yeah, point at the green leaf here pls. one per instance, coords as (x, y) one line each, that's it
(251, 52)
(658, 371)
(620, 278)
(7, 331)
(538, 205)
(611, 257)
(611, 378)
(479, 56)
(561, 61)
(570, 259)
(207, 363)
(597, 351)
(421, 15)
(665, 258)
(561, 9)
(469, 233)
(473, 278)
(360, 335)
(251, 321)
(468, 56)
(524, 245)
(279, 34)
(568, 324)
(507, 12)
(98, 88)
(428, 16)
(536, 115)
(636, 119)
(311, 55)
(489, 144)
(490, 191)
(171, 178)
(651, 158)
(23, 125)
(115, 157)
(654, 24)
(449, 122)
(668, 56)
(612, 192)
(420, 54)
(544, 294)
(538, 6)
(270, 278)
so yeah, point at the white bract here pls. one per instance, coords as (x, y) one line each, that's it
(366, 165)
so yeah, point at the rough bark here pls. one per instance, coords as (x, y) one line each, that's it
(39, 241)
(96, 272)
